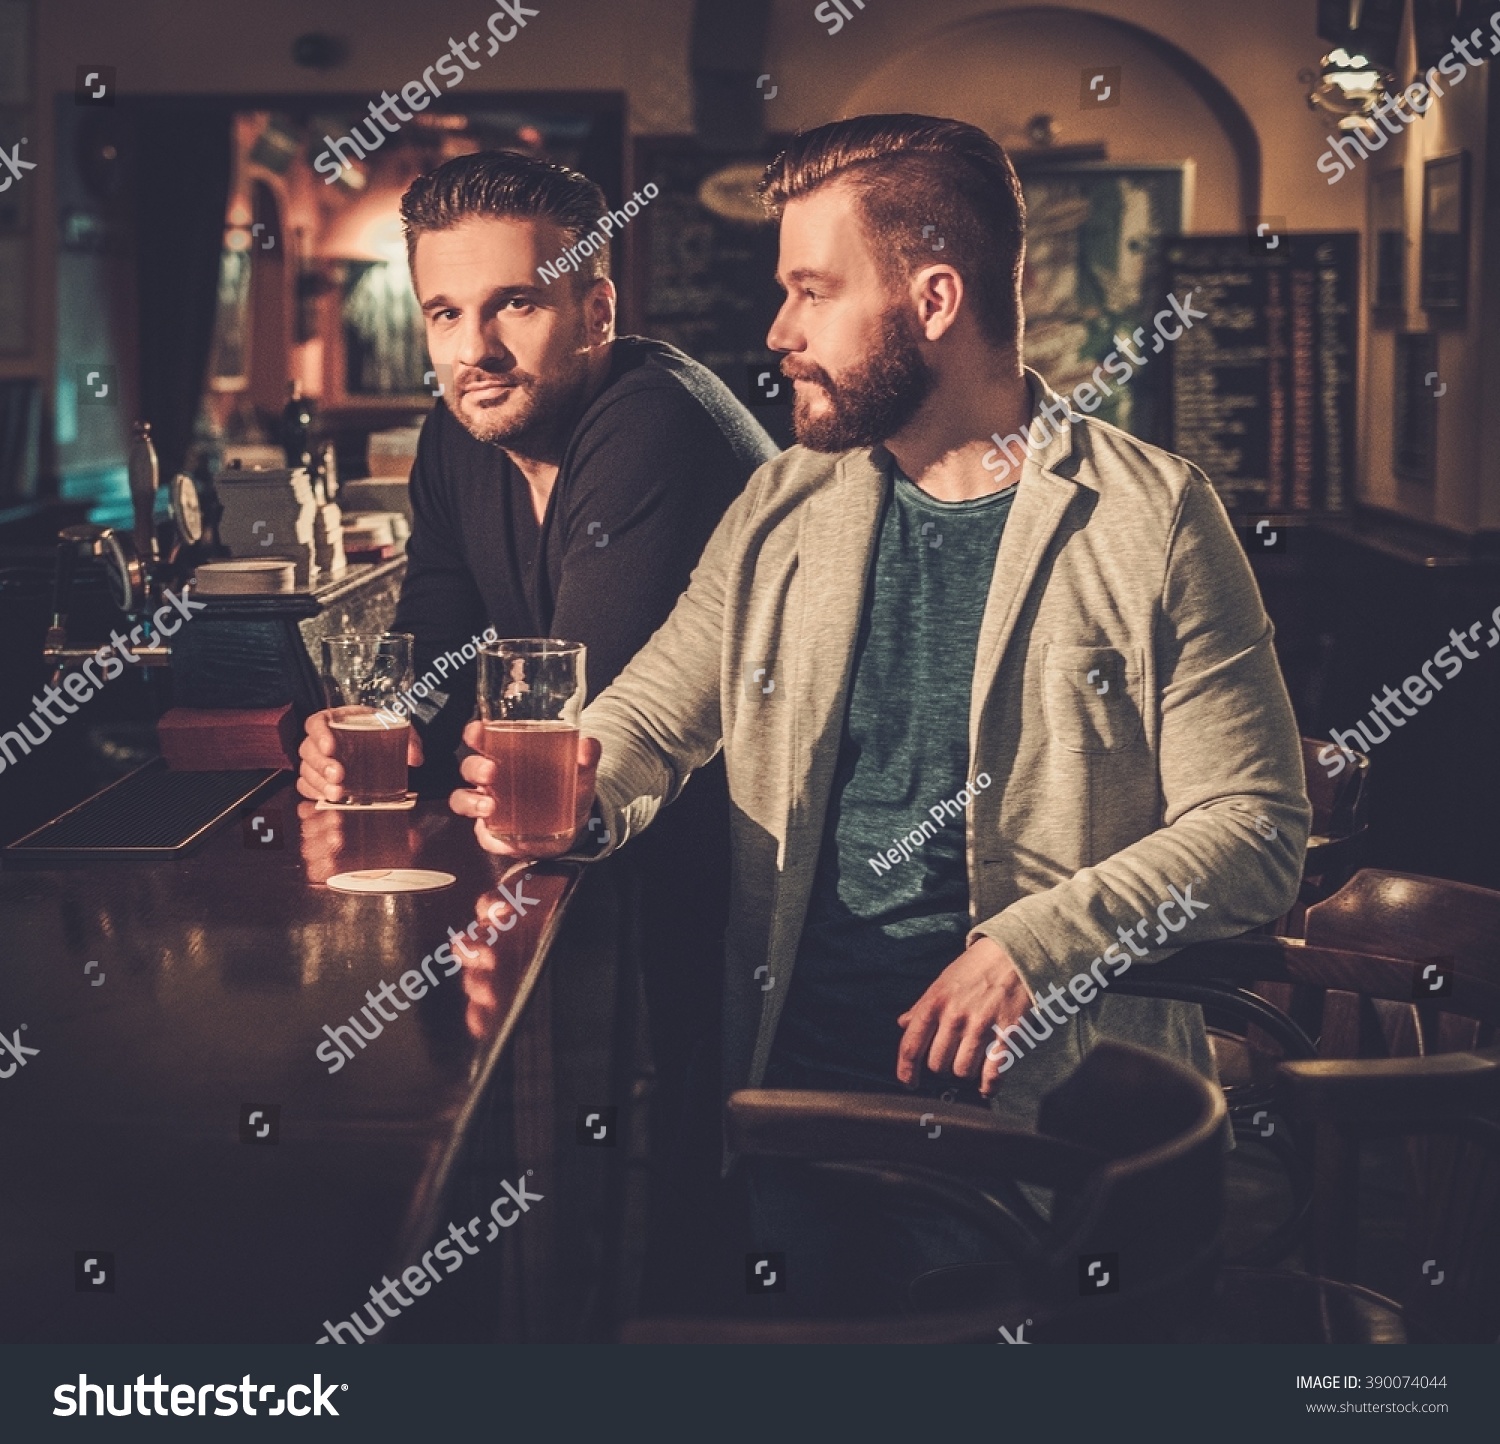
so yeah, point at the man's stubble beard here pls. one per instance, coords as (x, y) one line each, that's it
(872, 401)
(546, 415)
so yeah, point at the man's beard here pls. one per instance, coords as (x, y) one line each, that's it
(872, 401)
(537, 416)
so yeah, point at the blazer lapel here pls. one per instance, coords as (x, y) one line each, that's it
(835, 551)
(1042, 498)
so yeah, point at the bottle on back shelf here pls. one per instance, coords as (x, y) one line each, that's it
(297, 420)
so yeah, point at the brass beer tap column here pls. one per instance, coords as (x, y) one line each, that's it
(145, 479)
(130, 560)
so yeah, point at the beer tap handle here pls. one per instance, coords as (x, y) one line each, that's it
(69, 541)
(145, 478)
(62, 588)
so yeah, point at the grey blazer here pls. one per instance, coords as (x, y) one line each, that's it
(1117, 566)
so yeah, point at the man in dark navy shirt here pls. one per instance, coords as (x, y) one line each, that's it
(649, 467)
(567, 480)
(564, 486)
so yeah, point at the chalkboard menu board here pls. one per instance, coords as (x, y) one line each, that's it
(1263, 390)
(702, 275)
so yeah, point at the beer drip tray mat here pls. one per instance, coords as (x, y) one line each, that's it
(150, 813)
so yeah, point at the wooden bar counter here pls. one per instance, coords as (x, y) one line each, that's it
(168, 1001)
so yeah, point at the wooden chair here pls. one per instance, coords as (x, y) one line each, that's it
(1339, 838)
(1131, 1146)
(1406, 915)
(1249, 1035)
(1446, 1219)
(1336, 845)
(1361, 1005)
(1255, 1022)
(1435, 993)
(1340, 827)
(1451, 1103)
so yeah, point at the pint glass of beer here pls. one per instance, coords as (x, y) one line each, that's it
(364, 676)
(530, 699)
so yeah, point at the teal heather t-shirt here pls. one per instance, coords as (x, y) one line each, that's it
(879, 930)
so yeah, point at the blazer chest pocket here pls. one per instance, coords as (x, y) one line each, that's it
(1092, 697)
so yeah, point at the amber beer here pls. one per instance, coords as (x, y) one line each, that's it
(371, 747)
(364, 675)
(536, 783)
(530, 700)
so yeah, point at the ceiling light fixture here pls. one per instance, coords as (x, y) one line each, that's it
(1350, 88)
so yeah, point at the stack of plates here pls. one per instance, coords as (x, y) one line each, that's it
(377, 493)
(367, 531)
(269, 515)
(247, 578)
(328, 539)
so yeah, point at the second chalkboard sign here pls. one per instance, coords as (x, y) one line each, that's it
(1263, 391)
(703, 265)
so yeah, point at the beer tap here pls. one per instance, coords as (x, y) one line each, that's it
(130, 562)
(145, 479)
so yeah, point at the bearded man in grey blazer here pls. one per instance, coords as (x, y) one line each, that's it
(995, 688)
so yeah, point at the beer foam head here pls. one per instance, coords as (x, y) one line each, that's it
(367, 722)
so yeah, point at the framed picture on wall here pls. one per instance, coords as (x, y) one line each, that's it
(1095, 234)
(1388, 248)
(229, 363)
(1414, 435)
(1445, 235)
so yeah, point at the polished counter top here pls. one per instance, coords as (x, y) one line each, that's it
(168, 1001)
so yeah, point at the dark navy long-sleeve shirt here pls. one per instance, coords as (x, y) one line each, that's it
(650, 467)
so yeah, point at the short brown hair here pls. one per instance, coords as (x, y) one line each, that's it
(915, 176)
(503, 183)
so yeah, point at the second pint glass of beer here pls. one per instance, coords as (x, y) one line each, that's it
(363, 676)
(531, 692)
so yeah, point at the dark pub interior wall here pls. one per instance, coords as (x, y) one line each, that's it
(1214, 90)
(996, 65)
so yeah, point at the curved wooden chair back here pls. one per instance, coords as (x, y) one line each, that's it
(1130, 1146)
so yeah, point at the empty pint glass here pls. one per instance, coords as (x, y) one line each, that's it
(530, 700)
(364, 676)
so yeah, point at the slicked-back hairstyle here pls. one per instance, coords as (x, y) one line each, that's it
(504, 184)
(915, 177)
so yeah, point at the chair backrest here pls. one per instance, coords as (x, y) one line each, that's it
(1434, 990)
(1447, 1107)
(1339, 836)
(1130, 1144)
(1449, 935)
(1339, 802)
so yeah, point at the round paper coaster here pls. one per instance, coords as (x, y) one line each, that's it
(391, 879)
